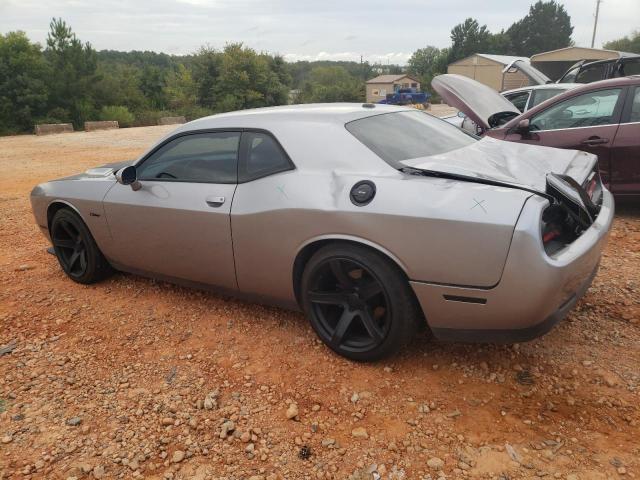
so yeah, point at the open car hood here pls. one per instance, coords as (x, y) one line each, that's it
(482, 104)
(535, 76)
(510, 163)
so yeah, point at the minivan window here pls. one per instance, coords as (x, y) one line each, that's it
(399, 136)
(570, 76)
(592, 73)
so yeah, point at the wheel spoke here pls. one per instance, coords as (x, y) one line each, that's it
(63, 243)
(341, 328)
(342, 277)
(67, 228)
(370, 290)
(83, 260)
(329, 298)
(370, 324)
(73, 259)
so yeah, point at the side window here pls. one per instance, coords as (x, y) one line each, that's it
(630, 67)
(592, 73)
(635, 107)
(543, 95)
(201, 157)
(570, 76)
(262, 156)
(586, 110)
(519, 99)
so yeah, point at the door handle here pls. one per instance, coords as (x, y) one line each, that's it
(591, 141)
(214, 201)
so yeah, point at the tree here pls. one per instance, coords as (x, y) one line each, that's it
(332, 84)
(246, 80)
(73, 66)
(181, 90)
(468, 38)
(422, 64)
(629, 43)
(546, 27)
(206, 68)
(23, 92)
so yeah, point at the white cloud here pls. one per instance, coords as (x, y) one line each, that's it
(331, 29)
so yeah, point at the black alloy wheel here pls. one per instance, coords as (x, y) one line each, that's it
(75, 248)
(70, 248)
(357, 301)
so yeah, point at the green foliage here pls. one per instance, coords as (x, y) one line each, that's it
(468, 38)
(3, 405)
(246, 80)
(72, 74)
(630, 43)
(117, 112)
(426, 63)
(546, 27)
(23, 91)
(332, 84)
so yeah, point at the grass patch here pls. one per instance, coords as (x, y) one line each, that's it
(3, 405)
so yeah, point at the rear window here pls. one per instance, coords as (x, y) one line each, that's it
(399, 136)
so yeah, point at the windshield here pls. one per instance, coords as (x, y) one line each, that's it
(399, 136)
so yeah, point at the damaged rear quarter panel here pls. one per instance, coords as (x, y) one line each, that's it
(437, 230)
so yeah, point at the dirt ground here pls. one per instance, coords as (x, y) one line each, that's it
(133, 378)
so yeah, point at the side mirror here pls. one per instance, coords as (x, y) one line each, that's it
(128, 176)
(523, 127)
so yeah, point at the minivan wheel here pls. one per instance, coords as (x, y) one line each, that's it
(75, 248)
(358, 302)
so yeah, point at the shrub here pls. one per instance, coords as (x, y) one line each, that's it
(115, 112)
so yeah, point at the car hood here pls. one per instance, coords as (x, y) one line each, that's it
(509, 162)
(104, 171)
(477, 101)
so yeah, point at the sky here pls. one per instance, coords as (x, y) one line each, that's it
(380, 31)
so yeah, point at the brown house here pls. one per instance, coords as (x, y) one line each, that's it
(379, 87)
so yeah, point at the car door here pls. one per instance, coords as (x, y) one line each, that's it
(586, 121)
(625, 153)
(262, 219)
(178, 223)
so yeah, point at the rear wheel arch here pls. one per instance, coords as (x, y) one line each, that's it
(311, 247)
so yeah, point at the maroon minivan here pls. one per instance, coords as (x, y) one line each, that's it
(601, 118)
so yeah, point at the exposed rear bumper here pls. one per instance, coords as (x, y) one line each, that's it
(535, 291)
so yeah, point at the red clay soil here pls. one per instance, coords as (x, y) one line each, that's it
(133, 378)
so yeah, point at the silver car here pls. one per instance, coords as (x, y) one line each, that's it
(372, 219)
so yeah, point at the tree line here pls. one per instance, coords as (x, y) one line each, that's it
(69, 81)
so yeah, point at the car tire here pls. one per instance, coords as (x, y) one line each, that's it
(358, 301)
(75, 248)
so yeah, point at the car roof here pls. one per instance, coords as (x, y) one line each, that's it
(623, 56)
(631, 80)
(333, 113)
(546, 86)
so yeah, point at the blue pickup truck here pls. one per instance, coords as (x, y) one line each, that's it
(406, 96)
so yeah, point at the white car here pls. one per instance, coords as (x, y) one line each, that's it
(523, 98)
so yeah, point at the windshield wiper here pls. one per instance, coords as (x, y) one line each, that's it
(470, 179)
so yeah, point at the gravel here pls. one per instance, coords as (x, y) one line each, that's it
(137, 360)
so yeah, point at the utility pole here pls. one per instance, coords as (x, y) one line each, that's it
(595, 23)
